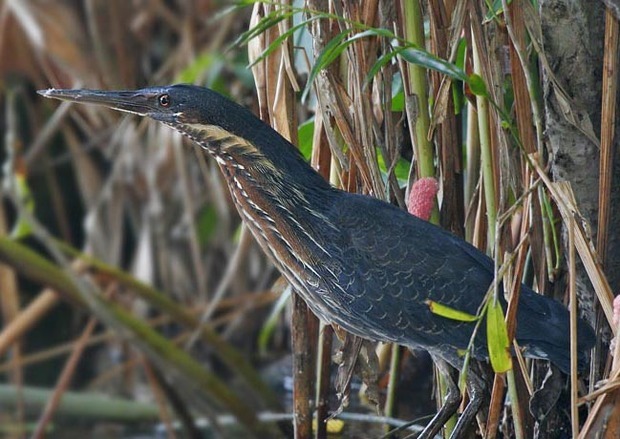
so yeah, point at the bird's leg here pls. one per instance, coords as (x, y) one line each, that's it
(450, 405)
(476, 385)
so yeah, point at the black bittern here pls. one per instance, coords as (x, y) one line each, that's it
(359, 262)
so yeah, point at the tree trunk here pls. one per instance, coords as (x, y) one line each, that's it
(573, 36)
(573, 41)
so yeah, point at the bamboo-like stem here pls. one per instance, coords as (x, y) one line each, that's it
(472, 151)
(390, 401)
(516, 408)
(486, 153)
(81, 405)
(418, 87)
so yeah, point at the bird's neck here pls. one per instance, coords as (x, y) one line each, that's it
(279, 196)
(275, 166)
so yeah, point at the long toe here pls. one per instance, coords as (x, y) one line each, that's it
(450, 406)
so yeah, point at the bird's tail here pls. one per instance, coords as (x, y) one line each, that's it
(543, 329)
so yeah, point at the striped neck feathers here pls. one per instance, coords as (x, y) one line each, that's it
(275, 167)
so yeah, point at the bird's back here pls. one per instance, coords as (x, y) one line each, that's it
(386, 265)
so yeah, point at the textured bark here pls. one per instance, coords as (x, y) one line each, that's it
(573, 40)
(573, 35)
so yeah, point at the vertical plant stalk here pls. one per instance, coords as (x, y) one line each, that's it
(526, 105)
(303, 379)
(355, 61)
(472, 151)
(390, 400)
(572, 288)
(322, 162)
(418, 116)
(324, 358)
(527, 111)
(517, 39)
(275, 83)
(445, 20)
(495, 406)
(516, 409)
(486, 152)
(9, 292)
(608, 119)
(608, 116)
(415, 85)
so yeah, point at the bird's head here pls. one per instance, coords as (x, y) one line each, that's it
(200, 113)
(223, 127)
(174, 104)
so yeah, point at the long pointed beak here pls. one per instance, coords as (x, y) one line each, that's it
(141, 102)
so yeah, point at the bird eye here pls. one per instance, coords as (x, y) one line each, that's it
(164, 100)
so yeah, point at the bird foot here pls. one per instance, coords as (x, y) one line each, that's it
(443, 415)
(477, 389)
(477, 392)
(450, 406)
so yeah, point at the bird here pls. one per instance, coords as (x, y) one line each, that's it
(357, 261)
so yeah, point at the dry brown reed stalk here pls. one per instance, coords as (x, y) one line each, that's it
(276, 84)
(608, 130)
